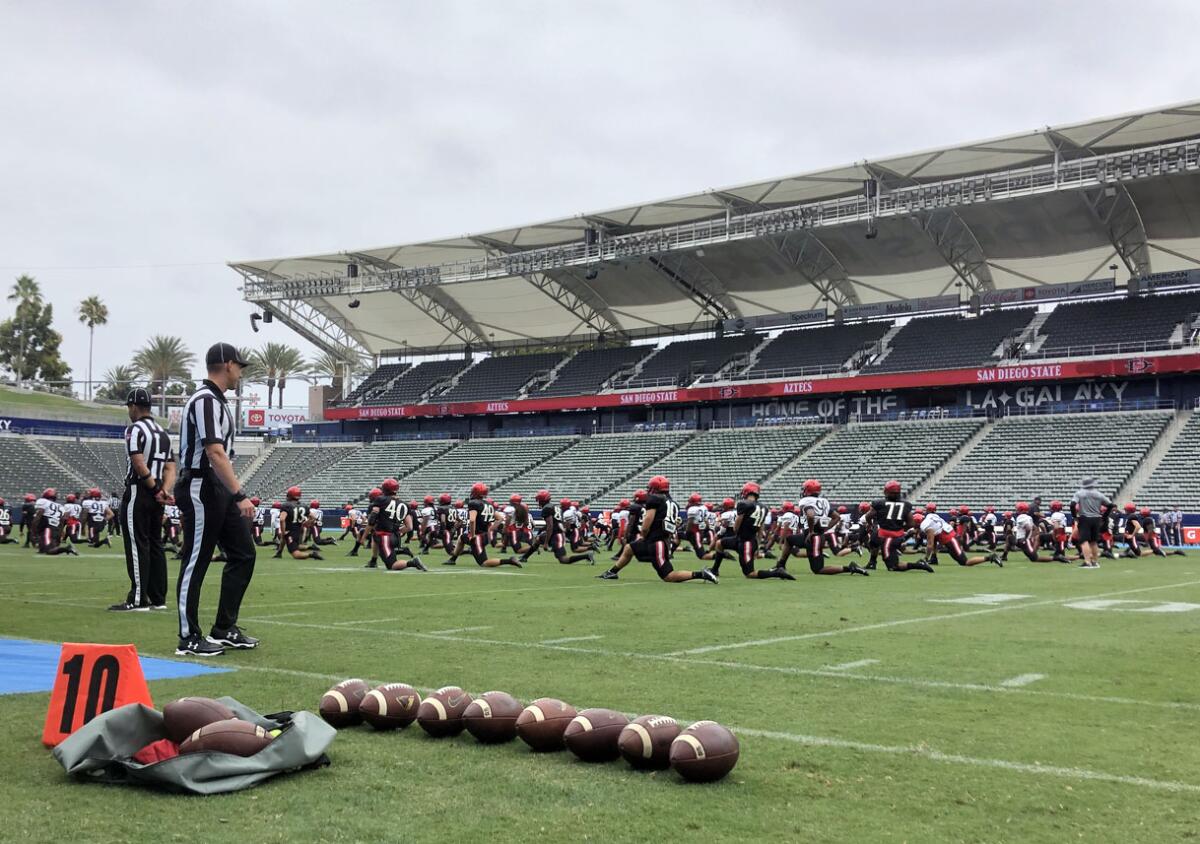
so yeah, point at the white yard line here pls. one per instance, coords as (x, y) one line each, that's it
(1021, 680)
(846, 666)
(924, 619)
(459, 630)
(447, 594)
(566, 639)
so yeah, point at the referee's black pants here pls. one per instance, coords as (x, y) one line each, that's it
(210, 516)
(145, 560)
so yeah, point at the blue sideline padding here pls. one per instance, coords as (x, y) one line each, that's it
(30, 667)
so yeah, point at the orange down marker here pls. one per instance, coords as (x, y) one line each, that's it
(92, 679)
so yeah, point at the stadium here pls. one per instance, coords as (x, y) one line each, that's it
(970, 331)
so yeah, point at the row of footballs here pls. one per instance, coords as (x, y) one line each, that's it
(702, 752)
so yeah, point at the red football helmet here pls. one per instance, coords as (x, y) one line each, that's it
(1008, 514)
(891, 489)
(812, 487)
(660, 483)
(750, 488)
(375, 493)
(842, 509)
(312, 505)
(624, 505)
(293, 493)
(990, 509)
(459, 503)
(348, 507)
(479, 489)
(256, 501)
(1129, 508)
(864, 506)
(1022, 507)
(514, 499)
(543, 496)
(50, 492)
(29, 496)
(70, 498)
(585, 509)
(412, 505)
(565, 503)
(788, 506)
(931, 507)
(94, 492)
(1055, 506)
(728, 503)
(390, 486)
(640, 496)
(918, 517)
(695, 498)
(429, 499)
(275, 504)
(1145, 511)
(964, 510)
(444, 498)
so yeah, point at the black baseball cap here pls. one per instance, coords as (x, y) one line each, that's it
(138, 396)
(224, 353)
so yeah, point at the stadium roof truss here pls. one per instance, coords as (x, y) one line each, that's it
(1054, 205)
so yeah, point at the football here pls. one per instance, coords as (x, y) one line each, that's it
(541, 724)
(704, 752)
(592, 734)
(238, 738)
(183, 717)
(390, 706)
(340, 705)
(492, 717)
(646, 742)
(441, 713)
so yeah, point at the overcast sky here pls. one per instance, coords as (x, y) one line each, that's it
(143, 145)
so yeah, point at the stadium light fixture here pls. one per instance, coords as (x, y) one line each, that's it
(254, 318)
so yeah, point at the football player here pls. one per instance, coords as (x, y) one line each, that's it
(97, 513)
(49, 523)
(743, 543)
(294, 520)
(655, 528)
(391, 517)
(554, 535)
(5, 524)
(1025, 535)
(817, 528)
(479, 519)
(892, 518)
(941, 533)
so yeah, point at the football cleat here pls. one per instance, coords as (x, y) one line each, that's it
(233, 638)
(198, 646)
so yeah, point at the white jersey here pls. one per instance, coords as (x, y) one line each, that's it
(570, 516)
(846, 521)
(820, 508)
(95, 507)
(713, 520)
(620, 518)
(988, 520)
(354, 516)
(171, 511)
(934, 522)
(50, 509)
(274, 519)
(260, 515)
(697, 515)
(1058, 520)
(1023, 526)
(317, 515)
(728, 517)
(789, 521)
(460, 515)
(510, 514)
(72, 510)
(5, 517)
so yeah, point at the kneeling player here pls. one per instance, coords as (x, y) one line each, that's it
(480, 515)
(390, 518)
(294, 519)
(1024, 531)
(554, 535)
(817, 527)
(5, 524)
(748, 526)
(892, 517)
(656, 528)
(941, 534)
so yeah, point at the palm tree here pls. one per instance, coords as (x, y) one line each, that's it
(92, 312)
(160, 360)
(272, 364)
(25, 291)
(333, 366)
(117, 382)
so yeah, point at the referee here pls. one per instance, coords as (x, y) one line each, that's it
(214, 510)
(151, 473)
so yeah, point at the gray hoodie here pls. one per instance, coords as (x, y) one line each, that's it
(1090, 499)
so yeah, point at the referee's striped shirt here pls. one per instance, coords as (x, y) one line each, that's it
(147, 438)
(206, 420)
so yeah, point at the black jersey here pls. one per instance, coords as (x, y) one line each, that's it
(481, 513)
(1148, 524)
(444, 515)
(552, 516)
(27, 510)
(892, 515)
(296, 514)
(391, 514)
(666, 517)
(753, 516)
(634, 522)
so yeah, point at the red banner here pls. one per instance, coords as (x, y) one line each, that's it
(1020, 373)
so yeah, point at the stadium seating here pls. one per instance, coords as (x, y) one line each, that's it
(1023, 456)
(593, 465)
(25, 469)
(288, 464)
(415, 382)
(586, 373)
(683, 361)
(101, 463)
(1176, 481)
(717, 463)
(855, 461)
(814, 349)
(373, 383)
(351, 477)
(946, 342)
(500, 376)
(493, 461)
(1077, 328)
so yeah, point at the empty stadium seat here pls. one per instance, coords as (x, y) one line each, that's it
(814, 349)
(25, 469)
(493, 461)
(1175, 481)
(683, 361)
(373, 383)
(351, 477)
(415, 382)
(586, 373)
(500, 376)
(101, 463)
(1024, 456)
(854, 462)
(1084, 327)
(946, 342)
(290, 464)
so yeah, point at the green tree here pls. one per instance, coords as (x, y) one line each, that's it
(332, 366)
(29, 346)
(118, 381)
(272, 365)
(92, 312)
(162, 360)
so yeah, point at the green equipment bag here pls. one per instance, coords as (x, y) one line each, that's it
(100, 751)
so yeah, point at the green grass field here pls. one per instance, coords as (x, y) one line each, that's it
(868, 709)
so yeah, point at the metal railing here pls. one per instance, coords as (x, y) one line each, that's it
(1108, 406)
(776, 374)
(1098, 349)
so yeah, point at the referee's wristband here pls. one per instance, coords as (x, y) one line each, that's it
(239, 496)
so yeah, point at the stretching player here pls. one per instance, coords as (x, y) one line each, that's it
(816, 533)
(391, 518)
(1025, 536)
(294, 520)
(97, 513)
(554, 536)
(892, 517)
(939, 532)
(49, 525)
(5, 524)
(480, 515)
(743, 543)
(652, 543)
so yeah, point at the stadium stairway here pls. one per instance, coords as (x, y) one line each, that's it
(54, 460)
(788, 467)
(1154, 457)
(617, 490)
(953, 460)
(885, 344)
(1175, 481)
